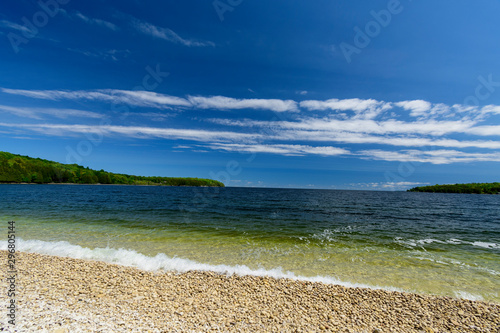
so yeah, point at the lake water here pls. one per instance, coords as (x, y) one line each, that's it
(443, 244)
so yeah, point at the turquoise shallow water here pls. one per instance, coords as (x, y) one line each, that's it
(445, 244)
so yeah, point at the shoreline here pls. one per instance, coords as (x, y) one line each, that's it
(71, 295)
(108, 184)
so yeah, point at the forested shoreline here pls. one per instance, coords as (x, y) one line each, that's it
(472, 188)
(17, 169)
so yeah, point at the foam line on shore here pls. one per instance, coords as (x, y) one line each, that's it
(162, 262)
(74, 295)
(453, 241)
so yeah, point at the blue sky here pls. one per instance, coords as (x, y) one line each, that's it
(381, 95)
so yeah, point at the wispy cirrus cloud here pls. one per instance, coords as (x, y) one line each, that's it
(384, 186)
(431, 156)
(157, 100)
(36, 113)
(136, 98)
(357, 138)
(227, 103)
(139, 132)
(89, 20)
(364, 108)
(111, 54)
(281, 149)
(54, 94)
(146, 98)
(167, 34)
(96, 21)
(14, 26)
(446, 129)
(252, 142)
(360, 131)
(354, 125)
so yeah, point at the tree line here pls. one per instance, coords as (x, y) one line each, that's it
(474, 188)
(24, 169)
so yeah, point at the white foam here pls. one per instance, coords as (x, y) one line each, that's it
(486, 245)
(162, 262)
(459, 263)
(429, 241)
(433, 260)
(469, 296)
(408, 242)
(327, 235)
(452, 241)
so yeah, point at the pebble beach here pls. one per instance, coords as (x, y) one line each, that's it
(60, 294)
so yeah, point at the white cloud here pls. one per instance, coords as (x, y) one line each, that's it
(400, 184)
(435, 121)
(154, 116)
(417, 107)
(495, 109)
(464, 108)
(438, 111)
(401, 141)
(354, 104)
(244, 142)
(300, 136)
(30, 112)
(167, 34)
(281, 149)
(112, 54)
(14, 26)
(140, 132)
(359, 131)
(137, 98)
(431, 156)
(58, 94)
(379, 127)
(425, 110)
(96, 21)
(227, 103)
(493, 130)
(147, 98)
(393, 186)
(335, 127)
(157, 100)
(364, 108)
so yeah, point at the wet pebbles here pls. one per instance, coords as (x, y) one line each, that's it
(58, 294)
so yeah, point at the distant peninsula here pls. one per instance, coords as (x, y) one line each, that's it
(17, 169)
(473, 188)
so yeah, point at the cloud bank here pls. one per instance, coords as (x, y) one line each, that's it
(411, 130)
